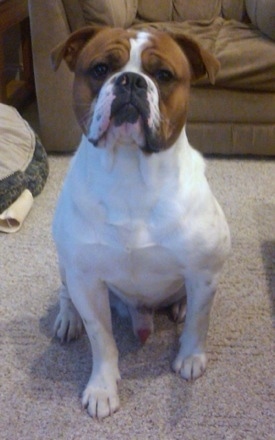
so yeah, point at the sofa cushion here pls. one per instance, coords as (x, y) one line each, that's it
(154, 10)
(74, 14)
(198, 10)
(118, 13)
(241, 106)
(181, 10)
(122, 12)
(246, 56)
(262, 15)
(178, 10)
(233, 9)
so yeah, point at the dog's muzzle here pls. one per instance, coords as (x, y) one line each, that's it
(132, 96)
(128, 98)
(130, 102)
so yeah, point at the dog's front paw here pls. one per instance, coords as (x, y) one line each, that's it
(68, 324)
(100, 402)
(191, 367)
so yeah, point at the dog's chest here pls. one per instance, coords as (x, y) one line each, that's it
(133, 210)
(137, 257)
(133, 225)
(137, 204)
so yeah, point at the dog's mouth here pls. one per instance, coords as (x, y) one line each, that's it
(128, 121)
(125, 113)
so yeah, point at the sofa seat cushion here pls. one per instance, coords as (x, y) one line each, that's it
(246, 56)
(236, 106)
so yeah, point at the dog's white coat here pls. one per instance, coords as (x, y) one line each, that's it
(141, 225)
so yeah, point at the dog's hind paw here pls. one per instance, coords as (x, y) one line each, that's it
(68, 324)
(178, 311)
(191, 367)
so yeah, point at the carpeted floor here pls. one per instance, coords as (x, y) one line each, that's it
(41, 380)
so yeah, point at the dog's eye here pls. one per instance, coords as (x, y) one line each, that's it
(99, 70)
(164, 75)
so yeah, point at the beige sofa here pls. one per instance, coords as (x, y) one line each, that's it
(235, 116)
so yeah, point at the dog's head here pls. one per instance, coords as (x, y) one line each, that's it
(132, 83)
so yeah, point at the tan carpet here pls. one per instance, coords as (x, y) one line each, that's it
(41, 380)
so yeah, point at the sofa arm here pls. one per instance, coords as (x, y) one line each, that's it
(262, 15)
(49, 26)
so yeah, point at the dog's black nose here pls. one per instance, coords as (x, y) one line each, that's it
(131, 81)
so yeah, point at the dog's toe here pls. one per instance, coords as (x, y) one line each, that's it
(191, 367)
(100, 403)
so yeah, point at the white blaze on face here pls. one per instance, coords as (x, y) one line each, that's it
(134, 65)
(101, 113)
(101, 109)
(137, 46)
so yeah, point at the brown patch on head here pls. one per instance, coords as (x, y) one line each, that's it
(72, 46)
(109, 50)
(201, 61)
(173, 62)
(164, 61)
(90, 48)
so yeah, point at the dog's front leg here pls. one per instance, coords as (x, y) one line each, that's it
(191, 360)
(92, 302)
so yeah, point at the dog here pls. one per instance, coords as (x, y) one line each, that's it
(136, 216)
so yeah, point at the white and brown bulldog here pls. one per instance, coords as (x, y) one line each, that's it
(136, 216)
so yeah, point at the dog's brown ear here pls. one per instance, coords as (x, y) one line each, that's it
(70, 49)
(202, 62)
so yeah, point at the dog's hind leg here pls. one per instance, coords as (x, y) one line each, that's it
(68, 324)
(178, 311)
(142, 321)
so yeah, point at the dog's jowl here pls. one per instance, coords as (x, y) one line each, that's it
(136, 220)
